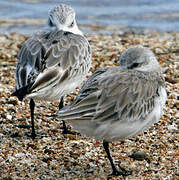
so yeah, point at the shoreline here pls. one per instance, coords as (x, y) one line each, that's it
(59, 157)
(28, 26)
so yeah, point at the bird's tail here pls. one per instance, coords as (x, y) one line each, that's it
(79, 118)
(69, 113)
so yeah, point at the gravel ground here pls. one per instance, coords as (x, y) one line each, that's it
(56, 156)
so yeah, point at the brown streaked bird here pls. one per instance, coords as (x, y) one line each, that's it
(52, 63)
(117, 103)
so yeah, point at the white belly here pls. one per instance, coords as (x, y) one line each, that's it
(121, 129)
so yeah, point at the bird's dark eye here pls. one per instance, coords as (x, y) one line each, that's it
(72, 24)
(134, 65)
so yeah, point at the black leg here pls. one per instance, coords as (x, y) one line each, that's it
(61, 103)
(122, 171)
(65, 129)
(32, 106)
(106, 148)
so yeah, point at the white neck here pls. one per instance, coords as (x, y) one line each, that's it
(152, 66)
(73, 30)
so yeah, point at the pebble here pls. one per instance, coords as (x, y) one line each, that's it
(9, 117)
(172, 127)
(140, 156)
(156, 143)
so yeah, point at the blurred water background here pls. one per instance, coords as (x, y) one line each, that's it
(27, 16)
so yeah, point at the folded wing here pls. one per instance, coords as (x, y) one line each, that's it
(114, 95)
(48, 55)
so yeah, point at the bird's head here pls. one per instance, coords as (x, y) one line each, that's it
(62, 17)
(139, 58)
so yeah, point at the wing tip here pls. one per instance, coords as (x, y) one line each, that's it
(21, 92)
(18, 95)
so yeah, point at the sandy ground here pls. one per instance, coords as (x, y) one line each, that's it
(56, 156)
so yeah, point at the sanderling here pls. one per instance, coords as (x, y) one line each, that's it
(116, 103)
(53, 62)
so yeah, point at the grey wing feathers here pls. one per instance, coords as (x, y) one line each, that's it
(85, 103)
(29, 62)
(67, 49)
(112, 96)
(46, 49)
(126, 97)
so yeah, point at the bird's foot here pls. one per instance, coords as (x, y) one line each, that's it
(33, 136)
(24, 126)
(122, 172)
(67, 131)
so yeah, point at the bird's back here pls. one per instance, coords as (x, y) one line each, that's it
(55, 50)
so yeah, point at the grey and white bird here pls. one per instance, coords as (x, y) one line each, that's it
(53, 62)
(116, 103)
